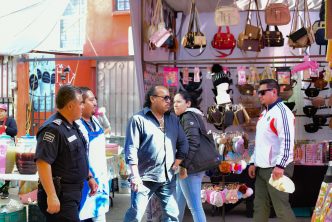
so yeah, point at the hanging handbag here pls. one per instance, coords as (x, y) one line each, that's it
(254, 45)
(194, 39)
(223, 41)
(207, 156)
(277, 13)
(318, 29)
(304, 36)
(227, 14)
(273, 38)
(159, 37)
(251, 38)
(253, 31)
(170, 43)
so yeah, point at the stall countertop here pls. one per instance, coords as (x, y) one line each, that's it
(18, 176)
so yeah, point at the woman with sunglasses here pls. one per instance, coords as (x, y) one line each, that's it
(188, 183)
(273, 153)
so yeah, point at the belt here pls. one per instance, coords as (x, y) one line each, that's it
(65, 186)
(71, 186)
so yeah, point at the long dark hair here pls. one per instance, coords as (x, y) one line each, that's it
(188, 97)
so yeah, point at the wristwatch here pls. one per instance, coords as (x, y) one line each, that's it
(89, 177)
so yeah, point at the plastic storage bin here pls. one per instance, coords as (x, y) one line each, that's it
(17, 216)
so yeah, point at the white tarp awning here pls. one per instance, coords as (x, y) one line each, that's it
(25, 24)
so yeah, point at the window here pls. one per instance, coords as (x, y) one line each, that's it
(72, 26)
(122, 5)
(69, 33)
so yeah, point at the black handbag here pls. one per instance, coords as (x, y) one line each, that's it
(298, 34)
(207, 156)
(194, 38)
(273, 38)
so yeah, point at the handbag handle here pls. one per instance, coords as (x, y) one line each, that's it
(307, 21)
(284, 1)
(227, 29)
(295, 17)
(156, 15)
(197, 21)
(248, 20)
(192, 17)
(258, 17)
(275, 28)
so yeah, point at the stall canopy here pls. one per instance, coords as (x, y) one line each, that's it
(210, 5)
(26, 24)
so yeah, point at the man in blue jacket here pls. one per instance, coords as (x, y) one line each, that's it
(155, 146)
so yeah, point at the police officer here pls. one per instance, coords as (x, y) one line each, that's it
(61, 158)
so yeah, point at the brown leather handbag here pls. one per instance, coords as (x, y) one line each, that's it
(304, 36)
(320, 84)
(277, 13)
(273, 38)
(246, 89)
(253, 31)
(254, 45)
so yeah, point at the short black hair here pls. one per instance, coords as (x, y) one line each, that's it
(66, 94)
(150, 92)
(84, 91)
(271, 84)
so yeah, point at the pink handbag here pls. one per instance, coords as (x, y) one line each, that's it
(277, 13)
(158, 37)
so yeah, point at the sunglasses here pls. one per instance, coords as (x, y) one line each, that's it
(263, 91)
(165, 98)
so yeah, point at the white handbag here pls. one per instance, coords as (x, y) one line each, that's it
(226, 15)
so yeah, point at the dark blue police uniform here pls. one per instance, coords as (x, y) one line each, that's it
(63, 146)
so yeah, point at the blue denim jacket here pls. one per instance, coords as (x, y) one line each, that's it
(153, 150)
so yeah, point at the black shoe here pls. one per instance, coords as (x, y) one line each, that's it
(5, 194)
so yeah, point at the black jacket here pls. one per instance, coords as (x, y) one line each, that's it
(191, 128)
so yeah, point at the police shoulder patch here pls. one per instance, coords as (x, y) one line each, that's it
(49, 137)
(57, 121)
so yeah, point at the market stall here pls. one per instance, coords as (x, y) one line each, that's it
(190, 65)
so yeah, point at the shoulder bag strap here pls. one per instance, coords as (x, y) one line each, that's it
(248, 21)
(307, 21)
(201, 129)
(258, 16)
(191, 19)
(295, 17)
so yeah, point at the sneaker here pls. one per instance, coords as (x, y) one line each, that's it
(5, 194)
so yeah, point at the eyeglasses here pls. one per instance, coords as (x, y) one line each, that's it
(263, 91)
(166, 98)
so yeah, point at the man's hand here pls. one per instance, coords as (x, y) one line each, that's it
(53, 204)
(277, 173)
(252, 171)
(183, 173)
(135, 182)
(93, 186)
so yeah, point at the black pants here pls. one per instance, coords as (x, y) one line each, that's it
(69, 206)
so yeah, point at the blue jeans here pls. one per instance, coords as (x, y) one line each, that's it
(189, 190)
(140, 199)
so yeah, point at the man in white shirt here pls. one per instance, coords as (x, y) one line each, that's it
(273, 154)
